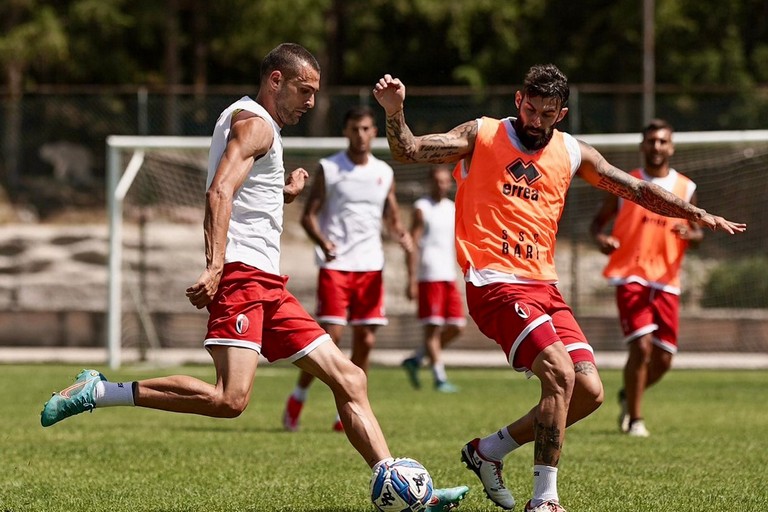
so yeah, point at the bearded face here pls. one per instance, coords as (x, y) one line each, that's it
(537, 120)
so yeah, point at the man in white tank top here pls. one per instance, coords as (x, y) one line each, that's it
(352, 195)
(251, 311)
(432, 278)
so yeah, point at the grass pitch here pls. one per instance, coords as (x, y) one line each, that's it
(708, 450)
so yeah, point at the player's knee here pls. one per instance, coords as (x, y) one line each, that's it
(231, 406)
(352, 381)
(559, 376)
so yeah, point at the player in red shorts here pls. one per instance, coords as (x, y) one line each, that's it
(513, 177)
(251, 312)
(352, 195)
(432, 278)
(646, 251)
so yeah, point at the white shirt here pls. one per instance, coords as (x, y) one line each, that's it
(256, 222)
(437, 247)
(351, 216)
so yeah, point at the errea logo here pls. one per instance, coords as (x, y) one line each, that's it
(520, 170)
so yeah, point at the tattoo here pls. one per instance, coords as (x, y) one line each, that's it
(546, 444)
(647, 195)
(585, 367)
(434, 148)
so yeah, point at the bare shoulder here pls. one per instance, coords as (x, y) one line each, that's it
(252, 132)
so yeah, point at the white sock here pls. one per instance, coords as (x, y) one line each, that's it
(438, 370)
(300, 394)
(108, 394)
(497, 445)
(544, 485)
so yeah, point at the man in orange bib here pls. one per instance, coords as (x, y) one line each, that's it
(646, 250)
(513, 176)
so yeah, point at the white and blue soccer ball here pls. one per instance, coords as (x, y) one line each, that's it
(400, 485)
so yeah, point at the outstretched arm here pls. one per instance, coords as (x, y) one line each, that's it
(438, 148)
(598, 172)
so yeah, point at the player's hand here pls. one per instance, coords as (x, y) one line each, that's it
(202, 292)
(329, 249)
(406, 241)
(390, 93)
(412, 289)
(294, 184)
(716, 223)
(607, 244)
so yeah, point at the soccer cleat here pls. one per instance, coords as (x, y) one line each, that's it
(73, 400)
(489, 473)
(291, 414)
(447, 499)
(623, 415)
(547, 506)
(412, 366)
(445, 387)
(637, 429)
(338, 426)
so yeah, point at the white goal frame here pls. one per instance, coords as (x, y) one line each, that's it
(119, 181)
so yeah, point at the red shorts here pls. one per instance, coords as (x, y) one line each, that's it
(252, 309)
(440, 303)
(350, 297)
(643, 310)
(524, 319)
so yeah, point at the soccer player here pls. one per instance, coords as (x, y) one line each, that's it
(646, 250)
(251, 311)
(513, 177)
(432, 278)
(352, 195)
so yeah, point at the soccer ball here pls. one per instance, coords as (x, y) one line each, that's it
(400, 485)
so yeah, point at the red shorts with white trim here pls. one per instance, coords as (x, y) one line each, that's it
(350, 297)
(524, 319)
(252, 309)
(440, 303)
(644, 310)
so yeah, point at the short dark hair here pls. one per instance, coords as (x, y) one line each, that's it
(546, 81)
(288, 58)
(656, 125)
(358, 112)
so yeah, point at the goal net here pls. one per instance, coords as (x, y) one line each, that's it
(156, 194)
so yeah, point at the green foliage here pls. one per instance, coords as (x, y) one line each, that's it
(740, 284)
(432, 42)
(706, 431)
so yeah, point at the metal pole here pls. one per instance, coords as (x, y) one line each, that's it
(114, 208)
(649, 61)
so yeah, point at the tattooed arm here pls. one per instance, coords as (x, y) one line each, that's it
(438, 148)
(599, 173)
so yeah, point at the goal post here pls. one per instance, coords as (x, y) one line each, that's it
(155, 203)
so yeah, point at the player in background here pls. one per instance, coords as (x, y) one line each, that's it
(352, 195)
(646, 251)
(432, 278)
(251, 311)
(513, 178)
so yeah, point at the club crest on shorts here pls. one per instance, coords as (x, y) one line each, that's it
(241, 324)
(522, 310)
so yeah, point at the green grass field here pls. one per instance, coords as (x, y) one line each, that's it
(708, 451)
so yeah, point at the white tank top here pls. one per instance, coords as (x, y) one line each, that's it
(437, 248)
(351, 217)
(256, 222)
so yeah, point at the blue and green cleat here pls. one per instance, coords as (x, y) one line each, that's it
(73, 400)
(411, 366)
(447, 499)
